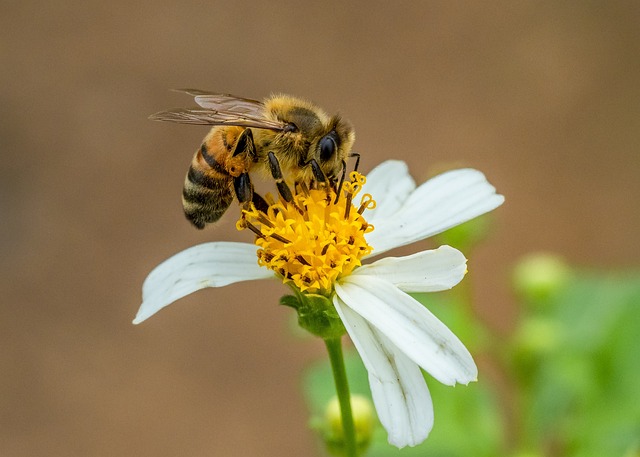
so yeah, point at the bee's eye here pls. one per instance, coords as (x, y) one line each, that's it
(328, 147)
(290, 127)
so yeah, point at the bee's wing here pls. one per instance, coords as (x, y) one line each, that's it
(202, 116)
(220, 109)
(225, 102)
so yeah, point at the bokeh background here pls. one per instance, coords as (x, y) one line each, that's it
(541, 96)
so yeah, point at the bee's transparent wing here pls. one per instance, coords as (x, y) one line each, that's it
(203, 116)
(220, 109)
(225, 102)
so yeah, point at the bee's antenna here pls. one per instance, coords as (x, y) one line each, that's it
(357, 156)
(344, 172)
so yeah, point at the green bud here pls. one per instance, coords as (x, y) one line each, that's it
(363, 420)
(539, 276)
(538, 336)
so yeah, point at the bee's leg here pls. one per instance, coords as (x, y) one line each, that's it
(344, 172)
(243, 188)
(242, 183)
(245, 144)
(260, 203)
(317, 171)
(276, 172)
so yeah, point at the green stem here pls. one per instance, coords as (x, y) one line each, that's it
(334, 348)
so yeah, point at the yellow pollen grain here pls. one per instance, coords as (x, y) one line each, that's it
(313, 240)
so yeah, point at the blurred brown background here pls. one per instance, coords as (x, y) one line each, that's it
(543, 97)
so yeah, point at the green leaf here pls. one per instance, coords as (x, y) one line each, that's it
(583, 397)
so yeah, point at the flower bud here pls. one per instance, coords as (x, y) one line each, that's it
(539, 336)
(363, 420)
(539, 276)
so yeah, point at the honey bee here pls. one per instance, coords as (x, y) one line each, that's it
(284, 137)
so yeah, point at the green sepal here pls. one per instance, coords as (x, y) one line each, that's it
(291, 301)
(316, 314)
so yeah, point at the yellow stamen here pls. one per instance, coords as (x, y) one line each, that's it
(313, 240)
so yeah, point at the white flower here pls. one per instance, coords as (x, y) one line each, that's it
(394, 334)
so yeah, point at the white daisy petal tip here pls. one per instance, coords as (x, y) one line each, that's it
(391, 184)
(410, 326)
(426, 271)
(391, 166)
(471, 377)
(205, 265)
(144, 313)
(448, 199)
(398, 388)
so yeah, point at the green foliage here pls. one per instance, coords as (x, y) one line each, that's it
(566, 383)
(583, 398)
(467, 235)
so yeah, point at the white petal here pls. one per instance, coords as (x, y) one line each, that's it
(410, 326)
(206, 265)
(437, 205)
(390, 184)
(400, 395)
(426, 271)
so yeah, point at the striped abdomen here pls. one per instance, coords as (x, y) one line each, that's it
(208, 189)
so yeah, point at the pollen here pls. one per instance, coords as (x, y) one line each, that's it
(315, 239)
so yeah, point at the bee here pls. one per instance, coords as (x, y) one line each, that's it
(284, 137)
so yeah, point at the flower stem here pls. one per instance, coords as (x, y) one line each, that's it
(334, 348)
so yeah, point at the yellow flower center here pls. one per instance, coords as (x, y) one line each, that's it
(315, 239)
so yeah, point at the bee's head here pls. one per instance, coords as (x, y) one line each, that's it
(310, 134)
(334, 146)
